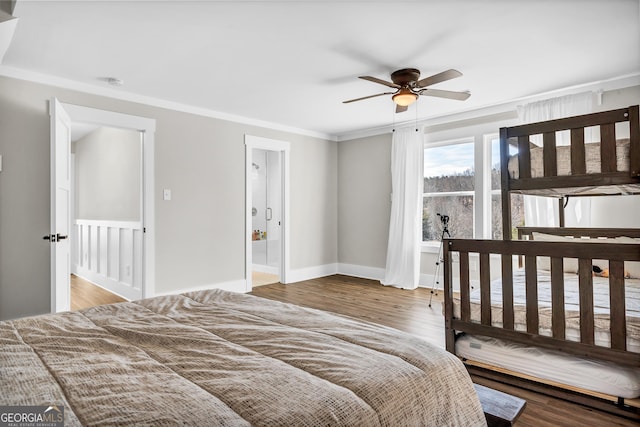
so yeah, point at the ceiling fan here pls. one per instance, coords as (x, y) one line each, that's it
(409, 87)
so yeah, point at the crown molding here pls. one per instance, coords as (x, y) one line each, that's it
(47, 79)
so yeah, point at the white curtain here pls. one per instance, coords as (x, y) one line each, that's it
(543, 211)
(403, 251)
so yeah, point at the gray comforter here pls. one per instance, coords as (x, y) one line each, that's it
(217, 358)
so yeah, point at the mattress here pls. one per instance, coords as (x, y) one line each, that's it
(563, 158)
(219, 358)
(586, 374)
(572, 307)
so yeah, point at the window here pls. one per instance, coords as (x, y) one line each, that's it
(449, 183)
(462, 181)
(517, 200)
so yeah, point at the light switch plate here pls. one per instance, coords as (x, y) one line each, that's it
(166, 194)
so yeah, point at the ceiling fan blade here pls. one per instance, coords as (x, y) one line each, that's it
(460, 96)
(437, 78)
(367, 97)
(382, 82)
(401, 108)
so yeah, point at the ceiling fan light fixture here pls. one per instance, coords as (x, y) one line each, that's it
(404, 97)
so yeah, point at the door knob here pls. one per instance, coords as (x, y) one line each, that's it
(54, 237)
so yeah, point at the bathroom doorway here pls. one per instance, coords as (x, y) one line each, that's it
(267, 186)
(266, 215)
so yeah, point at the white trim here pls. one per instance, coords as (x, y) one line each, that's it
(22, 74)
(621, 82)
(445, 142)
(426, 281)
(450, 193)
(430, 247)
(487, 215)
(147, 127)
(310, 273)
(98, 285)
(362, 271)
(265, 269)
(232, 286)
(284, 148)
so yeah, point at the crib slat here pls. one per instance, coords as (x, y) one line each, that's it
(507, 292)
(550, 164)
(608, 148)
(557, 299)
(585, 283)
(485, 289)
(617, 305)
(578, 162)
(634, 143)
(465, 303)
(524, 157)
(531, 289)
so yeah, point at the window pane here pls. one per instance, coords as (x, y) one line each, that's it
(517, 215)
(460, 212)
(448, 168)
(495, 162)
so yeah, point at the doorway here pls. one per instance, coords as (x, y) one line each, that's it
(107, 210)
(266, 177)
(267, 185)
(99, 242)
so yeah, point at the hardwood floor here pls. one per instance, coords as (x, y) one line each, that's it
(85, 294)
(408, 310)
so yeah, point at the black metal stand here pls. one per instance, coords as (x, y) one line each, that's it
(439, 260)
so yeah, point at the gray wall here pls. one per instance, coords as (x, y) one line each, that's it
(108, 171)
(364, 200)
(199, 233)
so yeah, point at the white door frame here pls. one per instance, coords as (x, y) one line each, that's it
(283, 147)
(147, 128)
(59, 230)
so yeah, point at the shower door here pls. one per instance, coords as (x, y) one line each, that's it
(266, 210)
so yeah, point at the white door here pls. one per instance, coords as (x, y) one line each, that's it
(274, 208)
(60, 197)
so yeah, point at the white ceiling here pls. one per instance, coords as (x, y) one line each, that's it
(292, 63)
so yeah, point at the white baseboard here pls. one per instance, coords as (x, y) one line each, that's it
(311, 273)
(233, 286)
(426, 281)
(122, 289)
(362, 271)
(376, 273)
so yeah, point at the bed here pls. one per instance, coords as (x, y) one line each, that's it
(610, 166)
(220, 358)
(538, 300)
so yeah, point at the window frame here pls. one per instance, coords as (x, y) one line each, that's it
(482, 192)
